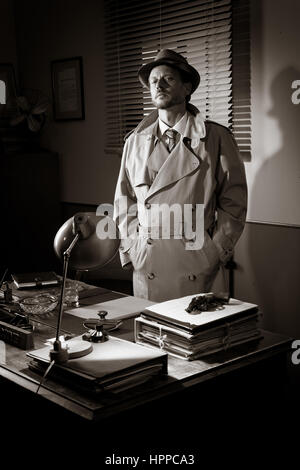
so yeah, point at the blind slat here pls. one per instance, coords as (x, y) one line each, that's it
(214, 37)
(169, 9)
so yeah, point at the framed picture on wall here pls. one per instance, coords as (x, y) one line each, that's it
(8, 94)
(67, 88)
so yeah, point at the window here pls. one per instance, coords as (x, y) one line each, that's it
(213, 35)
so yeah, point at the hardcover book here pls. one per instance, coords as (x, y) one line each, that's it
(24, 280)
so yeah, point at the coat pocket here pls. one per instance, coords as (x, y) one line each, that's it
(138, 253)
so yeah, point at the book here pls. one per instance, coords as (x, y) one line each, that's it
(36, 279)
(114, 366)
(84, 290)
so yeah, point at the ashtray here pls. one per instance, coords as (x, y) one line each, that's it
(38, 304)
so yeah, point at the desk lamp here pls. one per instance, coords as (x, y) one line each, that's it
(80, 242)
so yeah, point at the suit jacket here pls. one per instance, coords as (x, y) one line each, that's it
(204, 168)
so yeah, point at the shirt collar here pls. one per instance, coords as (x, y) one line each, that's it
(179, 126)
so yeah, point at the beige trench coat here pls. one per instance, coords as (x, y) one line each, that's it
(204, 168)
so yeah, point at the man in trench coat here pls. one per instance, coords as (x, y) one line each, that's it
(181, 197)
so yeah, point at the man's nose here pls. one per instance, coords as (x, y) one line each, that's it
(161, 83)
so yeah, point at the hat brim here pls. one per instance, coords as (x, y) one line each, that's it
(145, 71)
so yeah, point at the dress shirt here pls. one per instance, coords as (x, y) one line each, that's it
(179, 127)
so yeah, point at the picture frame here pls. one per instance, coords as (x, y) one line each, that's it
(67, 89)
(8, 92)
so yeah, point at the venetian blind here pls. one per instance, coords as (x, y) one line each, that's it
(206, 33)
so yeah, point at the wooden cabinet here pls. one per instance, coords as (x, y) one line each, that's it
(31, 215)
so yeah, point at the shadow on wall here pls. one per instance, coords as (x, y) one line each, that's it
(277, 182)
(275, 259)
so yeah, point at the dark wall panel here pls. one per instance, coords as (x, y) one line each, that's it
(268, 273)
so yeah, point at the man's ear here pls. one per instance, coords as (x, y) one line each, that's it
(188, 87)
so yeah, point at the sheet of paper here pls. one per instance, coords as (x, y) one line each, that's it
(175, 309)
(125, 307)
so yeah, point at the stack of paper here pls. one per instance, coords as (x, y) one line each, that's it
(114, 365)
(169, 327)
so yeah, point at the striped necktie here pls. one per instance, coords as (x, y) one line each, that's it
(171, 134)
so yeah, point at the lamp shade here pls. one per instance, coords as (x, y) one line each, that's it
(97, 244)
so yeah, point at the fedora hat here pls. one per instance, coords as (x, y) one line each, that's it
(173, 59)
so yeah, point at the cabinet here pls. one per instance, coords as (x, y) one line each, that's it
(31, 211)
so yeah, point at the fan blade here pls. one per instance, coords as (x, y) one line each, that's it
(41, 106)
(15, 121)
(39, 109)
(33, 124)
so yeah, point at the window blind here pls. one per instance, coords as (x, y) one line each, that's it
(213, 36)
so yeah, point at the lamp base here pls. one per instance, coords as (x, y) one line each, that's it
(72, 350)
(79, 348)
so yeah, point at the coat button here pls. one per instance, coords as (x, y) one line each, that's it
(148, 205)
(149, 241)
(151, 276)
(192, 277)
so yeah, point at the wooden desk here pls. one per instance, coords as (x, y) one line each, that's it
(182, 376)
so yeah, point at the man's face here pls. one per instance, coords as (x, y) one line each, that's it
(166, 87)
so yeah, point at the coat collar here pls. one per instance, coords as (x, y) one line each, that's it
(195, 128)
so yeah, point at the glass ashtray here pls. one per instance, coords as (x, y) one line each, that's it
(38, 304)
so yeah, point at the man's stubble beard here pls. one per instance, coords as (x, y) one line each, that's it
(168, 104)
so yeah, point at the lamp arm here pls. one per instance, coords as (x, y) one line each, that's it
(66, 256)
(58, 354)
(67, 253)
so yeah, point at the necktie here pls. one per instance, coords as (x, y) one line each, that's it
(171, 134)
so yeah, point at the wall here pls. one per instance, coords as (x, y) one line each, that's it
(268, 274)
(268, 253)
(55, 29)
(274, 172)
(8, 52)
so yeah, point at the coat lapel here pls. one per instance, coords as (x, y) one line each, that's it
(156, 160)
(148, 140)
(180, 163)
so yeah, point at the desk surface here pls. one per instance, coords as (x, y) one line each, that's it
(181, 374)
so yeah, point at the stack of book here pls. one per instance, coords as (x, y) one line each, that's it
(113, 366)
(170, 327)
